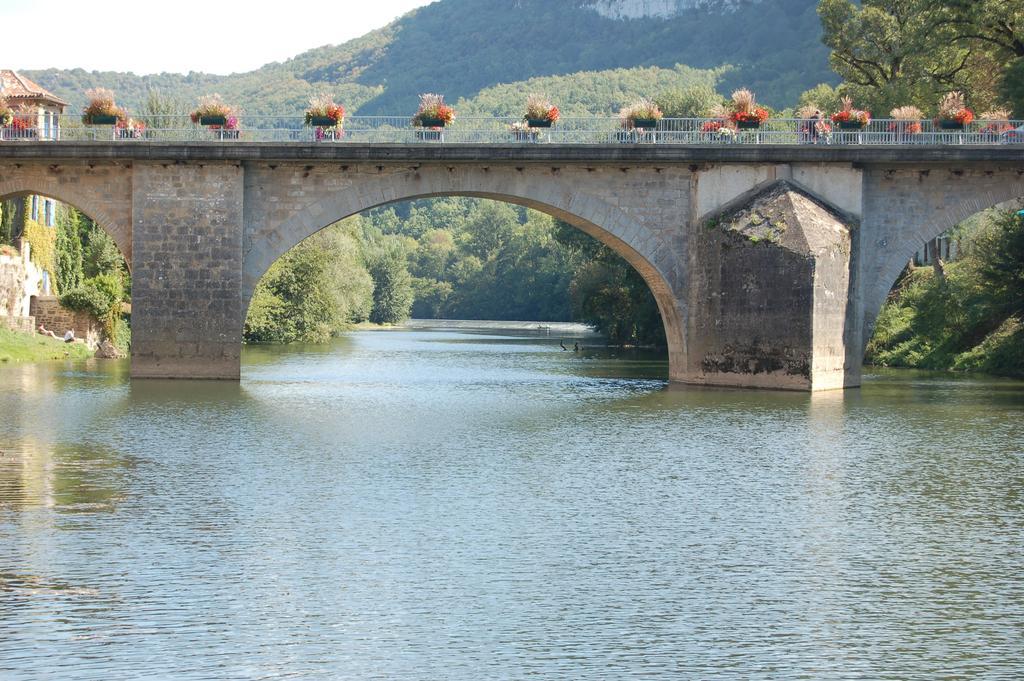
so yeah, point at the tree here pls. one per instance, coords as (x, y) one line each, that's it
(822, 96)
(996, 24)
(392, 291)
(68, 250)
(1011, 87)
(312, 292)
(692, 101)
(894, 52)
(392, 283)
(1001, 252)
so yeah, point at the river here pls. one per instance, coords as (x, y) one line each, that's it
(480, 504)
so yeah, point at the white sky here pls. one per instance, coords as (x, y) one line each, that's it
(178, 36)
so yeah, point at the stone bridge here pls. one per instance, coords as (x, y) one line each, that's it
(769, 263)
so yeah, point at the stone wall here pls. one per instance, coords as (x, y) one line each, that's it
(46, 310)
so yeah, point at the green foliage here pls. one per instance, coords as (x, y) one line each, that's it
(822, 96)
(892, 52)
(99, 252)
(314, 291)
(1011, 86)
(101, 296)
(971, 320)
(7, 211)
(592, 93)
(692, 101)
(608, 293)
(91, 297)
(910, 52)
(42, 240)
(392, 283)
(1000, 254)
(68, 250)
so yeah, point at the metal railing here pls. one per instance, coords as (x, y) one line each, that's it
(498, 130)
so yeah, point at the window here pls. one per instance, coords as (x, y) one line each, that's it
(35, 207)
(49, 212)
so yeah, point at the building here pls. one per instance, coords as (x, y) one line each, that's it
(32, 105)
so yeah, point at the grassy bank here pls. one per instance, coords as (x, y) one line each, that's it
(25, 347)
(957, 324)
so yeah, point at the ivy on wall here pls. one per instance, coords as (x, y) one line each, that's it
(43, 241)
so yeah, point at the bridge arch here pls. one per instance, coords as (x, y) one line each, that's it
(905, 209)
(109, 207)
(266, 241)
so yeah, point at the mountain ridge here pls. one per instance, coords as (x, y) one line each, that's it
(463, 47)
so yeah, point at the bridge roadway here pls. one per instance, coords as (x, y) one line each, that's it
(769, 263)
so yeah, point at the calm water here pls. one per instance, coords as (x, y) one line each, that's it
(450, 505)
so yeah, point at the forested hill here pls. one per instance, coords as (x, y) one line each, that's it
(460, 47)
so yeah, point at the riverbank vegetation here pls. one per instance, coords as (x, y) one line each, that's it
(966, 315)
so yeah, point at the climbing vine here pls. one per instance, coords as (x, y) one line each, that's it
(43, 241)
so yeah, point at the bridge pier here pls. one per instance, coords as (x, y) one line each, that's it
(769, 304)
(187, 273)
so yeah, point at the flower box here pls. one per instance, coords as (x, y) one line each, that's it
(322, 121)
(432, 122)
(850, 125)
(538, 122)
(951, 125)
(645, 123)
(213, 120)
(748, 125)
(101, 119)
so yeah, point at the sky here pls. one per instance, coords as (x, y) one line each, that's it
(180, 36)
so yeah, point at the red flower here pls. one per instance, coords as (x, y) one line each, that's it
(758, 115)
(965, 116)
(553, 114)
(712, 126)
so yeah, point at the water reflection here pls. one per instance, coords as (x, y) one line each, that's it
(67, 478)
(439, 504)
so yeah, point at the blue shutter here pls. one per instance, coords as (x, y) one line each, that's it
(35, 207)
(49, 212)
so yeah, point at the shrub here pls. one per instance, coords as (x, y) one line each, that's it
(87, 298)
(101, 296)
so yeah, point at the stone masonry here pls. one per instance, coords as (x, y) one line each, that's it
(187, 236)
(202, 222)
